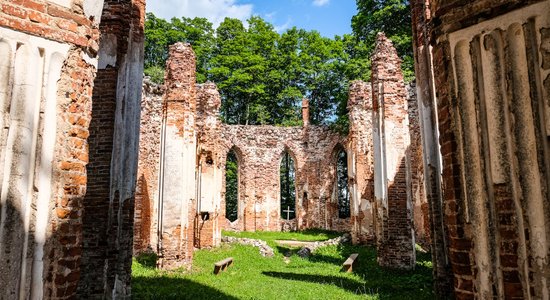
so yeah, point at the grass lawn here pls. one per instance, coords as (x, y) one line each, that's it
(254, 277)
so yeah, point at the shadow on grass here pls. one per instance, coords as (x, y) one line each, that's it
(147, 260)
(286, 251)
(173, 288)
(329, 233)
(387, 283)
(342, 282)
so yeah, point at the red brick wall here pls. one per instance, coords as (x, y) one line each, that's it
(147, 191)
(421, 217)
(109, 202)
(52, 21)
(490, 237)
(64, 248)
(395, 240)
(178, 159)
(74, 91)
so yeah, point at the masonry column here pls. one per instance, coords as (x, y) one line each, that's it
(305, 112)
(360, 161)
(427, 115)
(391, 142)
(211, 164)
(178, 159)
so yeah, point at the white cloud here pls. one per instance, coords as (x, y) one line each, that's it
(214, 10)
(321, 2)
(285, 26)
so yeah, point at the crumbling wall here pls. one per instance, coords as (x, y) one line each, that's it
(47, 70)
(392, 189)
(261, 149)
(178, 160)
(489, 73)
(432, 160)
(147, 189)
(361, 161)
(108, 207)
(421, 215)
(192, 151)
(211, 165)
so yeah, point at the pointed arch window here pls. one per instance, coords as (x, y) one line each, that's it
(342, 184)
(232, 186)
(288, 187)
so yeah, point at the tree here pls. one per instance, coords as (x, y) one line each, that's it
(231, 187)
(262, 75)
(287, 186)
(393, 17)
(160, 34)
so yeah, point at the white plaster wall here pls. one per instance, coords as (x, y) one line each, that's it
(510, 152)
(43, 71)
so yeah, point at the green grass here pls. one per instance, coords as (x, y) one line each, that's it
(255, 277)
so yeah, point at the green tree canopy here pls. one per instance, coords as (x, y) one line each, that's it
(262, 75)
(393, 17)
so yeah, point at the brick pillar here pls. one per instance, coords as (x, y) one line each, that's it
(108, 214)
(211, 164)
(361, 178)
(391, 142)
(305, 112)
(178, 158)
(427, 115)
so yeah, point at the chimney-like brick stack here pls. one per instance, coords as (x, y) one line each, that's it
(305, 112)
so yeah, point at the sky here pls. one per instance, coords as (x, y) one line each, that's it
(329, 17)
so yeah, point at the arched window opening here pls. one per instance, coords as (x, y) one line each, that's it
(288, 190)
(342, 185)
(231, 187)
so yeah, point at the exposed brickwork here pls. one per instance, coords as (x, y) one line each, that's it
(70, 251)
(178, 159)
(56, 274)
(360, 140)
(421, 15)
(109, 202)
(260, 149)
(495, 170)
(421, 216)
(147, 191)
(192, 116)
(392, 189)
(64, 248)
(52, 21)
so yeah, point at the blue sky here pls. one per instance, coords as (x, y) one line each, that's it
(329, 17)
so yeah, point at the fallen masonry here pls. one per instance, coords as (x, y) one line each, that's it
(265, 250)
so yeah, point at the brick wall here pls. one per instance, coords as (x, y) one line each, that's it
(391, 141)
(493, 137)
(66, 40)
(421, 216)
(178, 159)
(69, 25)
(192, 116)
(109, 202)
(260, 149)
(361, 154)
(147, 190)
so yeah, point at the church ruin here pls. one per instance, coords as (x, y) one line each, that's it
(181, 188)
(462, 164)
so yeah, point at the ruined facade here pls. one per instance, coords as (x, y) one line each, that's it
(184, 147)
(65, 203)
(482, 75)
(70, 90)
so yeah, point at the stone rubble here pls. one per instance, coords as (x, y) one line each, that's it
(265, 250)
(308, 250)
